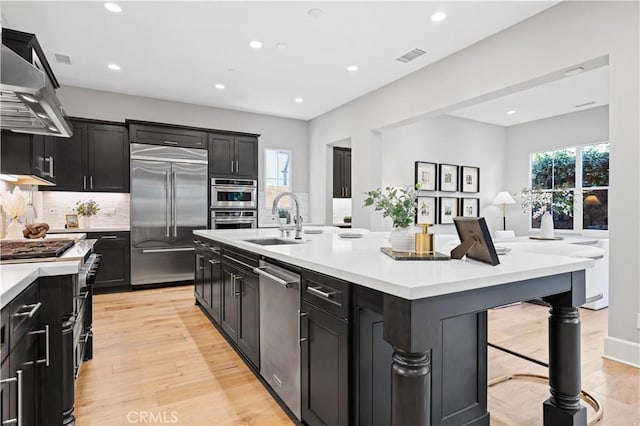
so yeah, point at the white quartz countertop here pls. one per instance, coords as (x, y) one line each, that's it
(359, 260)
(16, 277)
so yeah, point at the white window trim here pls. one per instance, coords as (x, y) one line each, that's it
(263, 185)
(577, 192)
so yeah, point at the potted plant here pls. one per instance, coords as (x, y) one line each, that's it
(85, 210)
(543, 204)
(347, 219)
(400, 205)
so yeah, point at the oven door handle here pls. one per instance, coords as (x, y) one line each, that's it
(235, 188)
(216, 220)
(167, 250)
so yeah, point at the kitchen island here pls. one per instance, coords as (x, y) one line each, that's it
(417, 330)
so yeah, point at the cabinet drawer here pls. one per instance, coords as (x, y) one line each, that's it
(326, 292)
(170, 136)
(25, 313)
(240, 258)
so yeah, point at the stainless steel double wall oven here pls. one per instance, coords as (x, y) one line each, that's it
(234, 203)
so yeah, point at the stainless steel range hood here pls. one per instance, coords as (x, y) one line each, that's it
(28, 103)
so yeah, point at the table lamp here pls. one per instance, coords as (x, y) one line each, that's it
(504, 198)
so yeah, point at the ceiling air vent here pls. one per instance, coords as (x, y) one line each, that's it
(62, 59)
(410, 56)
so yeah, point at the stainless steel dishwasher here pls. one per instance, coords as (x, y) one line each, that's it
(280, 332)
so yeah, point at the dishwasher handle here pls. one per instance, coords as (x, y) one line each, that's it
(263, 270)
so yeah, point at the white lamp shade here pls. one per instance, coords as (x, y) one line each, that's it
(504, 198)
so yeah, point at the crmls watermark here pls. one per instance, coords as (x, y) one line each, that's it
(162, 417)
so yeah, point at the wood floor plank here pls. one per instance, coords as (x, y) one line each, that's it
(155, 352)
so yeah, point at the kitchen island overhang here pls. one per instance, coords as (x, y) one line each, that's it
(433, 314)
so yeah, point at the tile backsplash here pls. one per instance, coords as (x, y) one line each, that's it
(114, 208)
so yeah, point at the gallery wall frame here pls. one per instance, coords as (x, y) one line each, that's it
(448, 180)
(469, 207)
(469, 179)
(426, 174)
(447, 210)
(427, 211)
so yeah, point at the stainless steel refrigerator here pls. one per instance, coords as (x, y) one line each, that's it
(168, 201)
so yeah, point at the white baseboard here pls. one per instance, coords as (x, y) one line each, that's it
(622, 351)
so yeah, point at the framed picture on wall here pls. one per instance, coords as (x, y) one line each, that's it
(448, 177)
(426, 212)
(469, 179)
(469, 207)
(426, 175)
(448, 209)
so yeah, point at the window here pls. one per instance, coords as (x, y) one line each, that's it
(277, 176)
(583, 172)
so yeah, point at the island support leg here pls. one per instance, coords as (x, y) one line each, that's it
(563, 408)
(410, 388)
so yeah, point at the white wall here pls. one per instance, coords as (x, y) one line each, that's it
(476, 144)
(579, 128)
(554, 40)
(276, 132)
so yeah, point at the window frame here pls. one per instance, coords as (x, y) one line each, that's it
(264, 175)
(578, 190)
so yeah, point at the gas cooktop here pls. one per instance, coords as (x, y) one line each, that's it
(34, 249)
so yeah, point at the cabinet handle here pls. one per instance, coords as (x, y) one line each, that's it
(109, 237)
(232, 166)
(50, 172)
(85, 338)
(233, 285)
(91, 182)
(318, 292)
(18, 380)
(171, 142)
(237, 261)
(214, 262)
(46, 359)
(238, 279)
(215, 250)
(199, 258)
(300, 338)
(84, 182)
(237, 168)
(33, 309)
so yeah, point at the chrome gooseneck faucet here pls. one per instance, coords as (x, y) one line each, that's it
(297, 219)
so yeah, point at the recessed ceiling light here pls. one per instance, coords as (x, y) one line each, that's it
(315, 13)
(53, 129)
(42, 115)
(219, 86)
(256, 44)
(112, 7)
(439, 16)
(114, 67)
(299, 100)
(511, 111)
(281, 46)
(574, 71)
(352, 68)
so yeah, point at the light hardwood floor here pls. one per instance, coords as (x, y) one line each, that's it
(158, 360)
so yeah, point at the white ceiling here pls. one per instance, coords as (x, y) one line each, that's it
(178, 50)
(569, 94)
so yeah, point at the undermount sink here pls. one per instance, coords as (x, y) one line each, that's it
(272, 241)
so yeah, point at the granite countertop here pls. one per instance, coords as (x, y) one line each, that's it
(92, 229)
(16, 277)
(360, 261)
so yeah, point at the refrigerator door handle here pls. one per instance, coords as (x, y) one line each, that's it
(174, 214)
(168, 201)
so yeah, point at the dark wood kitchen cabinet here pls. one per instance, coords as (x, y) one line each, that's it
(341, 172)
(208, 277)
(325, 371)
(33, 155)
(114, 273)
(168, 135)
(240, 310)
(233, 156)
(95, 158)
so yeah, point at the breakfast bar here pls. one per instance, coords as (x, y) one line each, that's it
(428, 320)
